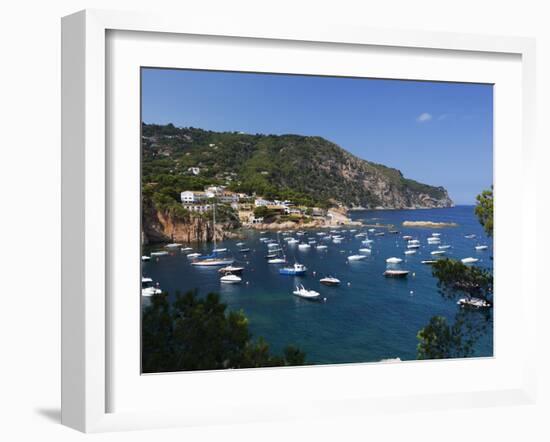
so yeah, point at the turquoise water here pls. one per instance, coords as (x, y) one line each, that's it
(368, 317)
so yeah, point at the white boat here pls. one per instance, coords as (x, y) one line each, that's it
(159, 253)
(172, 245)
(293, 241)
(329, 280)
(145, 258)
(321, 247)
(413, 246)
(394, 260)
(396, 273)
(470, 236)
(473, 302)
(221, 250)
(240, 244)
(469, 260)
(436, 234)
(482, 247)
(296, 270)
(231, 269)
(444, 247)
(372, 230)
(366, 242)
(276, 261)
(336, 240)
(148, 288)
(434, 240)
(365, 250)
(186, 249)
(231, 279)
(410, 252)
(413, 241)
(302, 292)
(438, 252)
(312, 241)
(304, 246)
(193, 255)
(407, 237)
(356, 257)
(428, 261)
(214, 259)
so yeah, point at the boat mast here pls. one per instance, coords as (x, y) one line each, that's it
(214, 222)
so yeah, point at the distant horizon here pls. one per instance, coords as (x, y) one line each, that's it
(348, 112)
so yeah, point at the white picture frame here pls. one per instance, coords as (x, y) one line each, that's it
(86, 207)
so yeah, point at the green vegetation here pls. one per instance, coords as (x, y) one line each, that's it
(439, 339)
(484, 210)
(200, 334)
(309, 171)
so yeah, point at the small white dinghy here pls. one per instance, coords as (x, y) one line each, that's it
(330, 280)
(302, 292)
(473, 302)
(482, 247)
(230, 278)
(469, 260)
(356, 257)
(394, 260)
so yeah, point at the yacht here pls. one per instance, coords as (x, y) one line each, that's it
(482, 247)
(230, 278)
(296, 269)
(356, 257)
(410, 252)
(329, 280)
(148, 288)
(390, 273)
(438, 252)
(304, 246)
(394, 260)
(159, 253)
(469, 260)
(231, 269)
(365, 250)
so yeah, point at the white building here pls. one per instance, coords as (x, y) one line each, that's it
(258, 202)
(191, 197)
(201, 208)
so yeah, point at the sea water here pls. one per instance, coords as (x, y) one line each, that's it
(368, 317)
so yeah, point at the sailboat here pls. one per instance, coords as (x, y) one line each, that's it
(214, 259)
(277, 259)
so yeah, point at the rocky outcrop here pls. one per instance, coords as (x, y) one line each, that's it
(161, 227)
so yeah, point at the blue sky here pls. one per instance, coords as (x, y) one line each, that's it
(435, 133)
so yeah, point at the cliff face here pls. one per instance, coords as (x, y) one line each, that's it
(291, 167)
(162, 227)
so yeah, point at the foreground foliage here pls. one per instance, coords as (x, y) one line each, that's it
(440, 339)
(195, 333)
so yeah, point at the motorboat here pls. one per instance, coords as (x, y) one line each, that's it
(276, 261)
(413, 241)
(240, 244)
(473, 302)
(186, 249)
(444, 247)
(379, 234)
(302, 292)
(410, 252)
(413, 246)
(321, 247)
(436, 234)
(221, 250)
(469, 260)
(438, 252)
(366, 242)
(394, 260)
(482, 247)
(193, 255)
(365, 250)
(213, 261)
(356, 257)
(470, 236)
(245, 250)
(329, 280)
(159, 253)
(230, 278)
(407, 237)
(148, 288)
(304, 246)
(172, 245)
(296, 269)
(429, 261)
(231, 269)
(391, 273)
